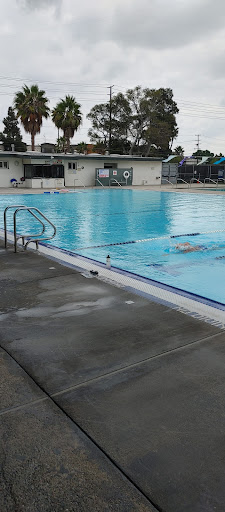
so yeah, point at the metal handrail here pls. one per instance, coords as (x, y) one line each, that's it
(78, 179)
(46, 238)
(195, 179)
(36, 240)
(21, 207)
(188, 184)
(32, 238)
(113, 179)
(16, 238)
(96, 179)
(168, 181)
(213, 181)
(29, 208)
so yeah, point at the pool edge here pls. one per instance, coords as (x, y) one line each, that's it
(204, 309)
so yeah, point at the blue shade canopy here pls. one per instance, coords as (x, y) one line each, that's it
(219, 161)
(171, 157)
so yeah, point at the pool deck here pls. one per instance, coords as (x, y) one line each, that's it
(109, 401)
(195, 188)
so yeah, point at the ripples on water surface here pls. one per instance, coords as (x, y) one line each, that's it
(97, 217)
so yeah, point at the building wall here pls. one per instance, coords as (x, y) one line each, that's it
(79, 177)
(15, 171)
(144, 173)
(147, 173)
(57, 183)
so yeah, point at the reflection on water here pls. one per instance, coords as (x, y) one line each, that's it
(102, 217)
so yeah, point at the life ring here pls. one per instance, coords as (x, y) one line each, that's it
(126, 175)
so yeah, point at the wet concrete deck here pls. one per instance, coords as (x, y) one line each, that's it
(109, 402)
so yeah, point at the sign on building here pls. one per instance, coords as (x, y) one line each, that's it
(103, 173)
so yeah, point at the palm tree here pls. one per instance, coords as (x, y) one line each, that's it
(67, 116)
(31, 107)
(179, 151)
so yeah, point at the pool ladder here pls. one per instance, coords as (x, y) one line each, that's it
(30, 238)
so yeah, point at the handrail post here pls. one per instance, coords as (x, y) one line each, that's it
(168, 181)
(14, 229)
(5, 228)
(5, 219)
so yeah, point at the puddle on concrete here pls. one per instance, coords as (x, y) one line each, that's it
(3, 316)
(69, 309)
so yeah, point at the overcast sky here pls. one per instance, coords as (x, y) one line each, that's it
(82, 47)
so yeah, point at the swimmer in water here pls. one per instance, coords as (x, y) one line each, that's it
(187, 247)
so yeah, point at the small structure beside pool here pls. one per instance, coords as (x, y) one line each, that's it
(47, 170)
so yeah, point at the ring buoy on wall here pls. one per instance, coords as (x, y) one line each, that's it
(126, 175)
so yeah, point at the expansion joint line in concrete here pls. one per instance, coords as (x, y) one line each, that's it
(22, 406)
(134, 365)
(92, 440)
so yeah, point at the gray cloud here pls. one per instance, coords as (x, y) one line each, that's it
(162, 24)
(155, 43)
(35, 5)
(155, 25)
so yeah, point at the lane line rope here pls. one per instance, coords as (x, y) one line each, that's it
(167, 237)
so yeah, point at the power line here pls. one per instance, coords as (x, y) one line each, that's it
(202, 117)
(105, 86)
(197, 103)
(187, 105)
(19, 79)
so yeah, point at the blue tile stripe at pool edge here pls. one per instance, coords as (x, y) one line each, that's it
(157, 284)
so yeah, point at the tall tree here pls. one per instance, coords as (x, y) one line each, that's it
(81, 147)
(31, 106)
(11, 133)
(206, 152)
(153, 119)
(142, 119)
(60, 145)
(100, 119)
(179, 151)
(67, 117)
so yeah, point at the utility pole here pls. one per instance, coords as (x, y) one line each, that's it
(110, 115)
(198, 141)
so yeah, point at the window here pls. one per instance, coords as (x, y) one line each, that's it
(28, 171)
(57, 171)
(44, 171)
(112, 165)
(72, 165)
(37, 171)
(4, 164)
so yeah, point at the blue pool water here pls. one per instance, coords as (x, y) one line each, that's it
(93, 218)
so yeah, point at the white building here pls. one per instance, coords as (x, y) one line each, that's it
(42, 170)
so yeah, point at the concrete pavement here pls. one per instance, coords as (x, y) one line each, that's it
(108, 401)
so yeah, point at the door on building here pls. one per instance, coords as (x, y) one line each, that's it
(169, 172)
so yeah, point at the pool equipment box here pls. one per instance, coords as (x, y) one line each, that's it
(113, 177)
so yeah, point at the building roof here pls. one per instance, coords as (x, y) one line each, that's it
(76, 156)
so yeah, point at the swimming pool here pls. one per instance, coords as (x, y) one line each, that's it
(89, 222)
(215, 189)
